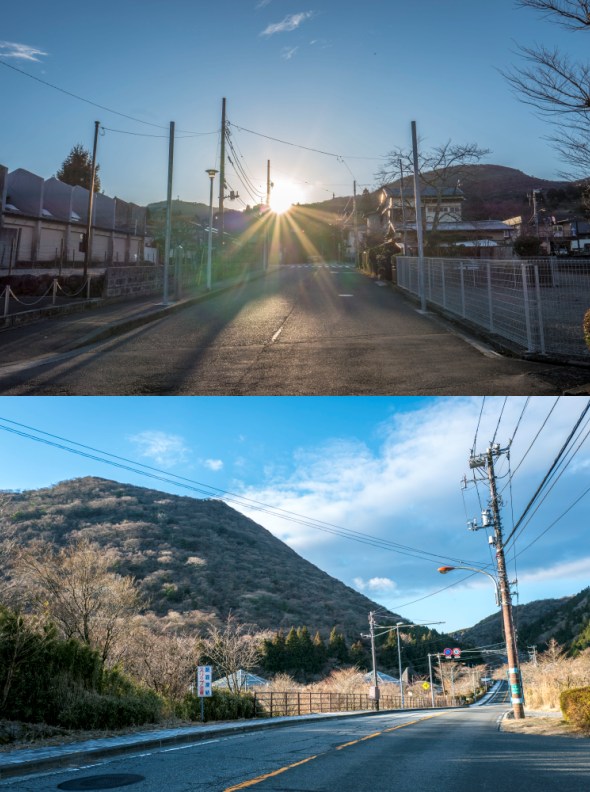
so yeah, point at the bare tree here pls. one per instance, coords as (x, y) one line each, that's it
(232, 648)
(163, 660)
(442, 168)
(76, 589)
(557, 86)
(572, 14)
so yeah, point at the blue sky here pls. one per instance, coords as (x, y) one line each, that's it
(337, 75)
(388, 467)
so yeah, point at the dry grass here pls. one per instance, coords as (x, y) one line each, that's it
(546, 727)
(553, 673)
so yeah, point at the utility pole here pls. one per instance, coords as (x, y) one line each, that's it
(220, 221)
(375, 690)
(403, 205)
(487, 461)
(356, 227)
(168, 213)
(418, 206)
(88, 251)
(268, 186)
(431, 680)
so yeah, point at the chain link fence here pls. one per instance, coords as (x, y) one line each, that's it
(537, 305)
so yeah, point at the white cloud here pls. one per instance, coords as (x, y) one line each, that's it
(11, 49)
(288, 52)
(404, 487)
(166, 450)
(375, 584)
(578, 570)
(213, 464)
(289, 23)
(263, 3)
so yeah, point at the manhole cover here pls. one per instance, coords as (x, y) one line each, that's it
(111, 781)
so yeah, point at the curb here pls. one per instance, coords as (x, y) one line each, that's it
(192, 734)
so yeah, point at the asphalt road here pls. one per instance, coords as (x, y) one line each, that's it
(460, 750)
(302, 330)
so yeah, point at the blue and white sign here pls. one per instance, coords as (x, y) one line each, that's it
(204, 680)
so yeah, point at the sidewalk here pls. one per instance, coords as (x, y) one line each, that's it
(24, 761)
(88, 323)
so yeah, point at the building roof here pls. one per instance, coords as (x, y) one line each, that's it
(384, 679)
(245, 680)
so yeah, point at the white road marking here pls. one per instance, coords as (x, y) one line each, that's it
(276, 335)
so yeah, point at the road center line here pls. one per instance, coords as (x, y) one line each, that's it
(257, 780)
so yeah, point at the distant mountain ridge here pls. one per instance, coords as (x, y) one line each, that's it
(491, 192)
(193, 555)
(567, 620)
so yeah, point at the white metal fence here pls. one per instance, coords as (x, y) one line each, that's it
(537, 305)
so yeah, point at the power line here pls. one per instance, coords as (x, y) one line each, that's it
(89, 101)
(300, 146)
(205, 489)
(549, 473)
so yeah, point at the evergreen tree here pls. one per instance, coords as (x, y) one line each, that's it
(320, 653)
(76, 169)
(359, 656)
(305, 651)
(337, 647)
(274, 654)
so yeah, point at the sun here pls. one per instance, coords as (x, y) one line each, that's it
(283, 195)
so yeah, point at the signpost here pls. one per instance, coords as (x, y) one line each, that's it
(456, 652)
(448, 653)
(204, 689)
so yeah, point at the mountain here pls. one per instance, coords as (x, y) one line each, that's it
(567, 620)
(192, 555)
(491, 192)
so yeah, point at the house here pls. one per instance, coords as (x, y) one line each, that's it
(442, 220)
(44, 220)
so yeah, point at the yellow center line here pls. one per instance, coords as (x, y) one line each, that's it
(258, 779)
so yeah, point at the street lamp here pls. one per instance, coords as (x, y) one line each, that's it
(445, 569)
(399, 650)
(211, 172)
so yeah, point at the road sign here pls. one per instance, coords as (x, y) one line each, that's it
(456, 652)
(204, 680)
(426, 685)
(448, 653)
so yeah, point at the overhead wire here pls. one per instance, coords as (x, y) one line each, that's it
(89, 101)
(208, 490)
(533, 441)
(549, 473)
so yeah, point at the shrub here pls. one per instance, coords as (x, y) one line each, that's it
(586, 327)
(222, 705)
(575, 706)
(87, 709)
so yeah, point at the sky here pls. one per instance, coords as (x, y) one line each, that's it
(383, 467)
(339, 76)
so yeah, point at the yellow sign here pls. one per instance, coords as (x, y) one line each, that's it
(426, 685)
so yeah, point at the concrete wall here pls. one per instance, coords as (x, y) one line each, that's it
(134, 281)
